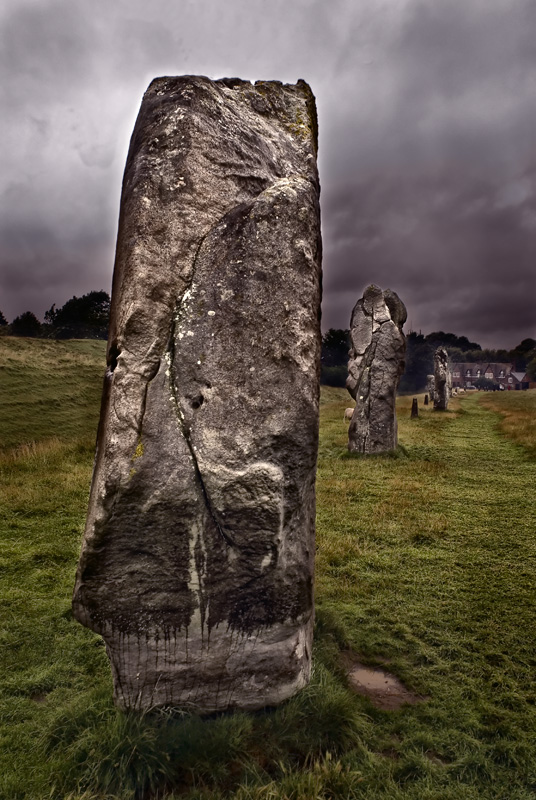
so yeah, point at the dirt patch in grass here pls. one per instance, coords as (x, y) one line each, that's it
(391, 753)
(39, 697)
(437, 758)
(383, 689)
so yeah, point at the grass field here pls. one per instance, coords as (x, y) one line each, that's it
(426, 565)
(518, 420)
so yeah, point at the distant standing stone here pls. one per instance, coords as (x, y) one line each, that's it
(442, 380)
(414, 408)
(376, 363)
(197, 561)
(430, 387)
(426, 400)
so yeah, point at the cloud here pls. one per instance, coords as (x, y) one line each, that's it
(426, 115)
(438, 200)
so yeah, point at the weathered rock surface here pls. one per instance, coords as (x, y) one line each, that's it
(197, 560)
(442, 379)
(376, 363)
(430, 387)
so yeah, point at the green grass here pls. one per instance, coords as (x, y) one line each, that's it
(49, 388)
(426, 564)
(518, 420)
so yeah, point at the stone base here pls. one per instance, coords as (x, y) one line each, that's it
(229, 671)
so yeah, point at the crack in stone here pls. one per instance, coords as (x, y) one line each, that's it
(186, 434)
(170, 352)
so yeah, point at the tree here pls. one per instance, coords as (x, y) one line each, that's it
(3, 320)
(419, 363)
(50, 315)
(83, 317)
(486, 355)
(26, 324)
(531, 369)
(522, 354)
(334, 376)
(335, 346)
(450, 340)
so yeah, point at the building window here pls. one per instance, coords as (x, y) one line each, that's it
(478, 373)
(489, 375)
(468, 373)
(510, 380)
(501, 373)
(455, 374)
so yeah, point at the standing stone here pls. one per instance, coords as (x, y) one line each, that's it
(426, 400)
(376, 363)
(430, 387)
(197, 560)
(442, 380)
(414, 408)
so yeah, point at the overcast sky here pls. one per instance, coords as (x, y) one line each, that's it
(427, 115)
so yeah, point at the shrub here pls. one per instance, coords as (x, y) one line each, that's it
(26, 324)
(333, 376)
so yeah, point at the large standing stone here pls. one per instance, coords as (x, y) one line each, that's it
(197, 561)
(377, 352)
(442, 380)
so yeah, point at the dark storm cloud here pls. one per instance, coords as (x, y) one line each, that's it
(463, 260)
(438, 200)
(427, 131)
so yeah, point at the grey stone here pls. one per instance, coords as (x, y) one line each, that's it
(442, 380)
(197, 560)
(430, 387)
(376, 363)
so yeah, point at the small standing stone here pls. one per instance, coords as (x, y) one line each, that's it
(442, 380)
(430, 385)
(376, 363)
(414, 408)
(425, 399)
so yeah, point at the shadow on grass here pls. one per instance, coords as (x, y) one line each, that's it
(399, 452)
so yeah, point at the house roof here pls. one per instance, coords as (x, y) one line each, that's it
(489, 366)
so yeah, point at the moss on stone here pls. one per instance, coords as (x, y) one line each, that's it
(139, 450)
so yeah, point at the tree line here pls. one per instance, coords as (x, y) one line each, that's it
(420, 356)
(85, 317)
